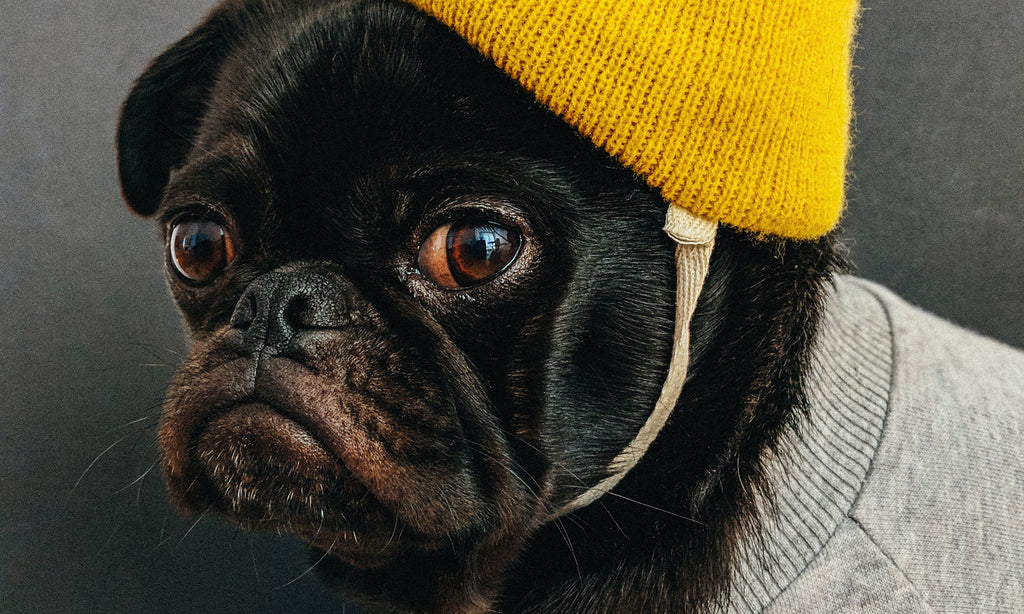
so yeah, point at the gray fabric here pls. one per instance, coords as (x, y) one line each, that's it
(903, 491)
(827, 460)
(851, 575)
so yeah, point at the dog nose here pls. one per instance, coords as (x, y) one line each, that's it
(278, 305)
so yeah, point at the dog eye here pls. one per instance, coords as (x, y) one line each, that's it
(200, 249)
(458, 256)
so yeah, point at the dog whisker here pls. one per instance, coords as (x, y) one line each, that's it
(560, 465)
(583, 484)
(234, 536)
(648, 505)
(154, 349)
(311, 567)
(394, 530)
(568, 542)
(611, 516)
(142, 480)
(319, 527)
(448, 505)
(138, 479)
(135, 422)
(94, 461)
(194, 525)
(547, 507)
(164, 536)
(252, 552)
(516, 470)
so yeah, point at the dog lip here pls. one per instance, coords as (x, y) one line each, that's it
(253, 447)
(261, 406)
(278, 450)
(245, 391)
(364, 484)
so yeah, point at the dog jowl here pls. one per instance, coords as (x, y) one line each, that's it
(426, 314)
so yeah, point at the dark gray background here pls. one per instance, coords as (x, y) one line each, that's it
(88, 335)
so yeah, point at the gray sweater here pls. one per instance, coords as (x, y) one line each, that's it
(903, 490)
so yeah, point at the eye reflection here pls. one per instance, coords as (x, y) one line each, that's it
(458, 256)
(201, 249)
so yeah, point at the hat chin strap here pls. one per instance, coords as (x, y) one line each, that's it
(695, 238)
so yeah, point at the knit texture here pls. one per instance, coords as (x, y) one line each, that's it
(902, 487)
(737, 110)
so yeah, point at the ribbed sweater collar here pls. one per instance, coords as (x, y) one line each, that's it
(823, 464)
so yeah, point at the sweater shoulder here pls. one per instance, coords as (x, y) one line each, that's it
(944, 496)
(851, 574)
(927, 347)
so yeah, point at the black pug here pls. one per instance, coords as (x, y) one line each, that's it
(418, 407)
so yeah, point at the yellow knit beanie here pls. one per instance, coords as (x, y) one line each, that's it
(737, 110)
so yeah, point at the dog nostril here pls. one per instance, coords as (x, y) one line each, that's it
(245, 312)
(296, 312)
(278, 306)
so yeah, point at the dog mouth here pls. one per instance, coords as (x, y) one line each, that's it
(318, 455)
(250, 450)
(267, 470)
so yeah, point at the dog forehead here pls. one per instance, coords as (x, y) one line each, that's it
(323, 102)
(343, 78)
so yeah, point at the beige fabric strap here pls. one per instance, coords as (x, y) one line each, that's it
(695, 238)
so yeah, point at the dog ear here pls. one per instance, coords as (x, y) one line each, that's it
(161, 113)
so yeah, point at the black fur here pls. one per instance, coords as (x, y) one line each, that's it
(332, 137)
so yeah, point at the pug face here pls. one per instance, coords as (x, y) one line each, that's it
(426, 314)
(414, 295)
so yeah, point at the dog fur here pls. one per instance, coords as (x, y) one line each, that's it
(331, 137)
